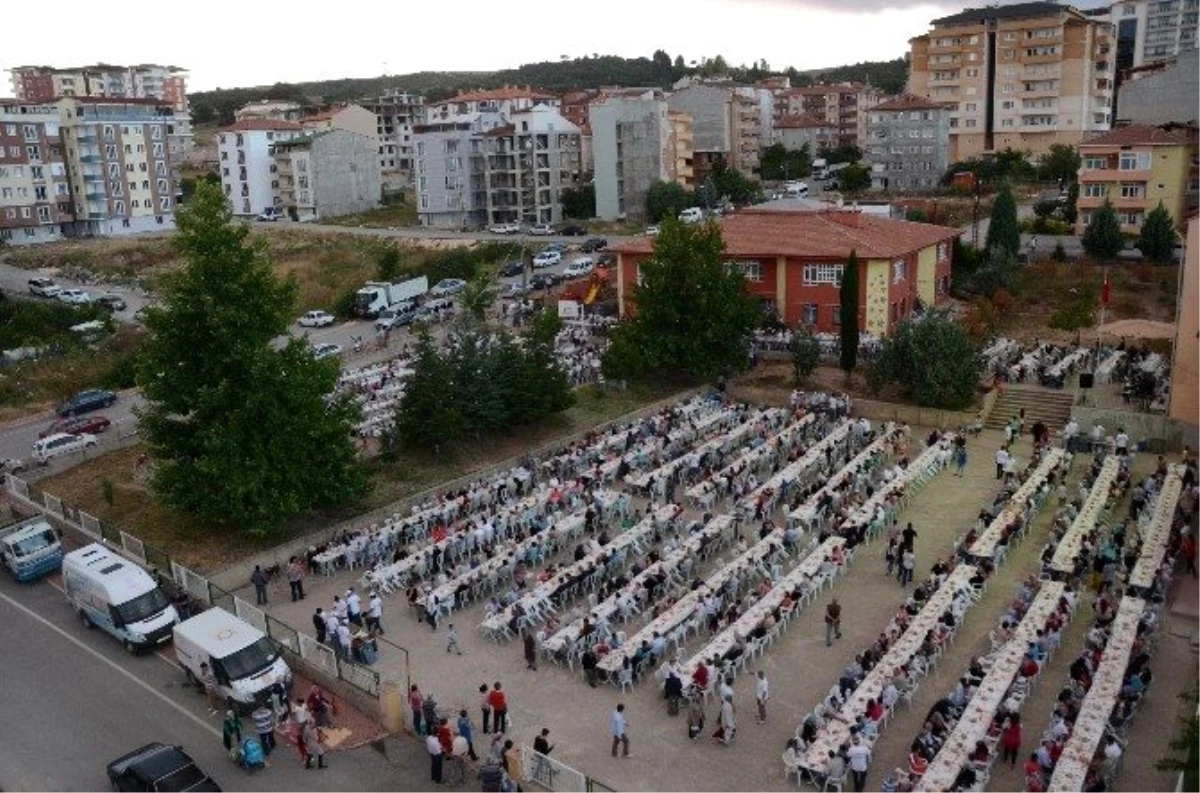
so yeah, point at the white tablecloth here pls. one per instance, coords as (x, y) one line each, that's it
(985, 544)
(806, 513)
(1157, 532)
(1067, 551)
(752, 458)
(792, 471)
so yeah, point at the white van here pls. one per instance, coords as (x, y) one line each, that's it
(692, 215)
(246, 663)
(61, 443)
(118, 596)
(795, 190)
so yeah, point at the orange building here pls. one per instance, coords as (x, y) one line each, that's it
(793, 262)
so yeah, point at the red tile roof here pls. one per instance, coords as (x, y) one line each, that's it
(830, 234)
(496, 94)
(911, 102)
(1144, 136)
(793, 121)
(261, 124)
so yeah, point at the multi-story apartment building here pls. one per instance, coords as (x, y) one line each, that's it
(1150, 30)
(843, 106)
(794, 132)
(248, 169)
(574, 104)
(908, 143)
(635, 143)
(528, 163)
(396, 113)
(142, 81)
(269, 110)
(1023, 76)
(327, 173)
(727, 123)
(1162, 93)
(35, 191)
(682, 146)
(1136, 168)
(118, 161)
(451, 172)
(506, 100)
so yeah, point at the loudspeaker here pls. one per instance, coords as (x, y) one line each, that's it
(1087, 379)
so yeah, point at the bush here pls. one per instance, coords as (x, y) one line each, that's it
(344, 307)
(1076, 310)
(806, 356)
(933, 359)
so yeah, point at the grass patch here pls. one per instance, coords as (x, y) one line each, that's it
(398, 215)
(133, 508)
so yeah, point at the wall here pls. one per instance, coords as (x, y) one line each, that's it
(346, 173)
(874, 297)
(1185, 403)
(644, 142)
(913, 415)
(927, 275)
(1169, 95)
(709, 109)
(1164, 433)
(1168, 180)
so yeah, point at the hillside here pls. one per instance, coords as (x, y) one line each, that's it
(559, 76)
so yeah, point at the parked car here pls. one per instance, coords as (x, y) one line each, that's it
(606, 260)
(651, 231)
(158, 767)
(86, 401)
(573, 231)
(515, 289)
(543, 281)
(447, 287)
(78, 297)
(44, 287)
(46, 449)
(505, 228)
(270, 214)
(326, 350)
(316, 319)
(112, 302)
(541, 230)
(396, 316)
(560, 247)
(593, 244)
(13, 465)
(547, 259)
(582, 266)
(83, 425)
(509, 269)
(434, 310)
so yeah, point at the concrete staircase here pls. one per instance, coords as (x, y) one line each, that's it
(1041, 404)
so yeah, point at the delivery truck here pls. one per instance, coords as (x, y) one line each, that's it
(377, 296)
(117, 596)
(30, 549)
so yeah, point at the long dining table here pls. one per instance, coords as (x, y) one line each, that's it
(985, 544)
(1067, 551)
(1156, 532)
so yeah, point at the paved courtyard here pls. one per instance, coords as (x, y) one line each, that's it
(800, 667)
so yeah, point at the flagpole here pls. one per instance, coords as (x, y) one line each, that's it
(1103, 299)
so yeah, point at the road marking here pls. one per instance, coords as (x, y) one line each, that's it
(172, 703)
(166, 659)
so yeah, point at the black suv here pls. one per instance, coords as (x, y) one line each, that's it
(593, 244)
(112, 302)
(86, 401)
(158, 767)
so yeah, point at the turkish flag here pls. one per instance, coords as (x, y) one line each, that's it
(1105, 291)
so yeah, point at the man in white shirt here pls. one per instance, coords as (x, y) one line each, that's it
(375, 614)
(860, 757)
(1001, 461)
(353, 606)
(762, 692)
(1122, 442)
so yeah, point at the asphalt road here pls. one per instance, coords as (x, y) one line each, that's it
(73, 701)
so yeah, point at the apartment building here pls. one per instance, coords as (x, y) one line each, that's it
(1136, 168)
(726, 123)
(248, 169)
(1149, 31)
(635, 143)
(35, 191)
(1162, 93)
(396, 113)
(119, 165)
(451, 171)
(842, 106)
(794, 132)
(528, 163)
(1022, 76)
(506, 100)
(908, 143)
(269, 110)
(141, 81)
(326, 173)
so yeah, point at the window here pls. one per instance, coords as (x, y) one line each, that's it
(823, 274)
(424, 199)
(943, 251)
(164, 202)
(156, 132)
(1133, 191)
(836, 313)
(162, 185)
(1095, 190)
(44, 214)
(899, 271)
(34, 152)
(970, 122)
(1135, 161)
(810, 313)
(451, 147)
(1130, 217)
(752, 271)
(119, 208)
(1095, 163)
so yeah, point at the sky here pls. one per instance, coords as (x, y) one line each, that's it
(235, 43)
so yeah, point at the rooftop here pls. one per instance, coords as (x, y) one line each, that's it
(262, 125)
(1015, 11)
(1139, 135)
(912, 102)
(498, 94)
(793, 121)
(829, 234)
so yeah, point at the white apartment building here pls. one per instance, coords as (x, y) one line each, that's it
(451, 178)
(529, 162)
(248, 170)
(1149, 31)
(631, 150)
(326, 174)
(507, 100)
(396, 113)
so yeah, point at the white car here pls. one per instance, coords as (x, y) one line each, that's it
(447, 287)
(582, 266)
(79, 297)
(316, 319)
(547, 259)
(651, 231)
(327, 350)
(541, 230)
(61, 443)
(505, 228)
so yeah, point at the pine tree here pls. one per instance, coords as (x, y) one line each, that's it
(1102, 238)
(1003, 230)
(1157, 240)
(848, 314)
(429, 413)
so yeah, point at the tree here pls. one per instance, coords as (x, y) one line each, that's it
(776, 162)
(806, 356)
(731, 184)
(1076, 308)
(933, 359)
(428, 414)
(479, 295)
(579, 202)
(1070, 210)
(667, 200)
(1060, 164)
(1102, 238)
(848, 315)
(854, 177)
(244, 434)
(1157, 240)
(388, 263)
(694, 315)
(850, 153)
(1003, 232)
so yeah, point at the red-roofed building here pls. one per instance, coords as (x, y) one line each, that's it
(793, 262)
(795, 132)
(843, 106)
(506, 100)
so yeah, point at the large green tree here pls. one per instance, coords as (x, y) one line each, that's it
(848, 315)
(933, 359)
(806, 356)
(854, 177)
(579, 203)
(429, 414)
(1060, 164)
(694, 315)
(243, 433)
(1102, 238)
(667, 200)
(776, 162)
(1157, 240)
(1003, 232)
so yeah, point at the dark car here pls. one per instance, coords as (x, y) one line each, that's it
(543, 281)
(573, 231)
(606, 260)
(556, 247)
(86, 401)
(158, 767)
(112, 302)
(509, 269)
(593, 244)
(84, 425)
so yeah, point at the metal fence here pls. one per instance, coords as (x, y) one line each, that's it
(553, 775)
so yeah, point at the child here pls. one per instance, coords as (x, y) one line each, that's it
(452, 640)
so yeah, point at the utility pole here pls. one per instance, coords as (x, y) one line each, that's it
(975, 218)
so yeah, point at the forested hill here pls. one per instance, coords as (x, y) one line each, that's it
(587, 72)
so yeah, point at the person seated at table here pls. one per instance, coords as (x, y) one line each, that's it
(980, 755)
(1033, 774)
(928, 739)
(875, 710)
(918, 759)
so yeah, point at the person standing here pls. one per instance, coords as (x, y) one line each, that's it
(618, 725)
(726, 723)
(467, 731)
(318, 621)
(833, 621)
(530, 651)
(485, 707)
(231, 731)
(762, 692)
(452, 640)
(1010, 739)
(860, 757)
(264, 724)
(541, 744)
(312, 742)
(259, 579)
(499, 706)
(1001, 461)
(908, 561)
(354, 607)
(434, 746)
(296, 578)
(375, 614)
(416, 703)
